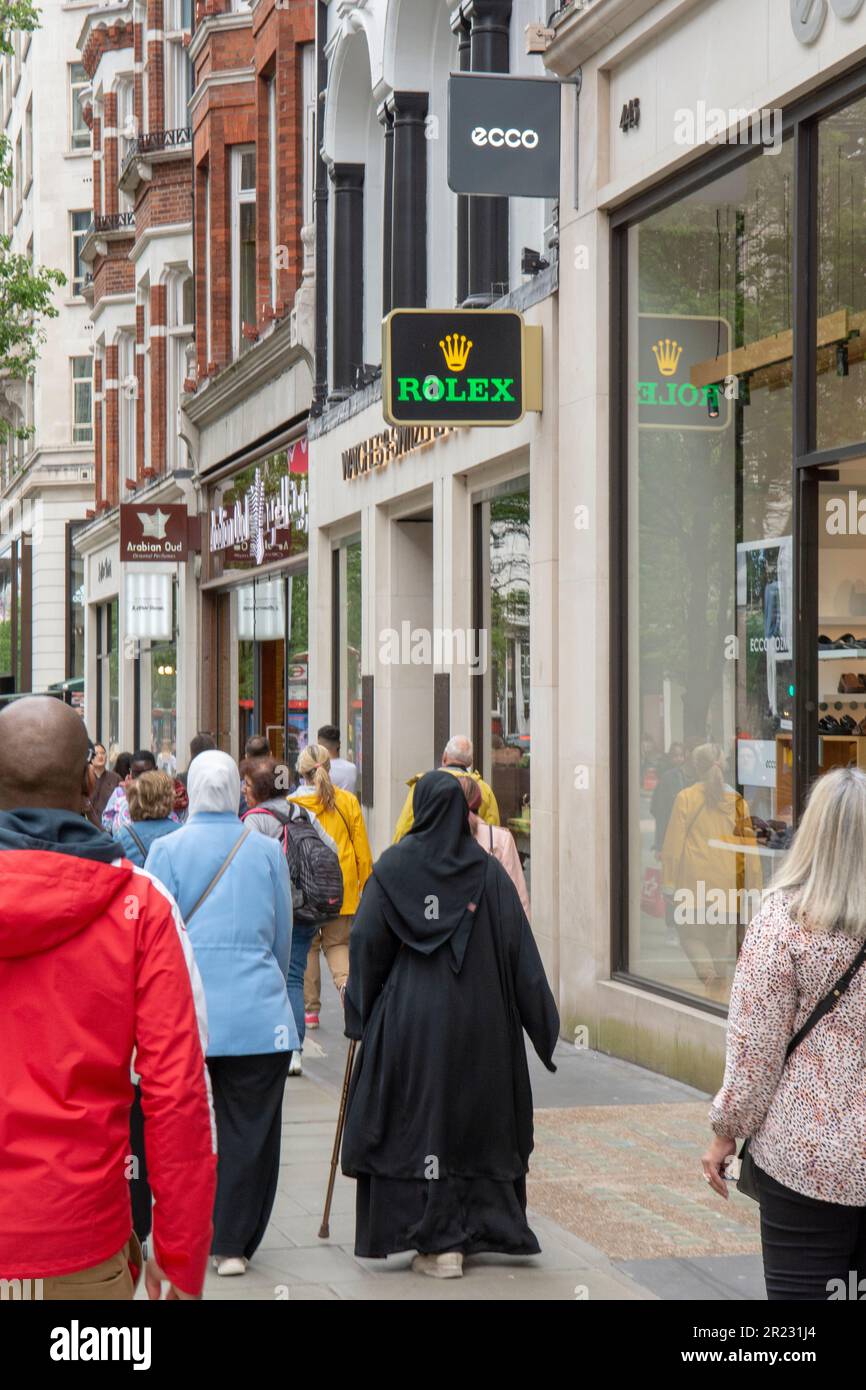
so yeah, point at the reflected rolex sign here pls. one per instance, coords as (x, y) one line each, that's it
(459, 367)
(683, 365)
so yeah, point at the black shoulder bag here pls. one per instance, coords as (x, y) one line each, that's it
(747, 1181)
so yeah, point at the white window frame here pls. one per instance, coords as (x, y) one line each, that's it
(126, 407)
(147, 462)
(76, 380)
(238, 196)
(74, 86)
(272, 182)
(178, 78)
(208, 283)
(77, 236)
(308, 107)
(125, 91)
(28, 147)
(178, 334)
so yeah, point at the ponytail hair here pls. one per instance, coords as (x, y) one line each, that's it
(316, 760)
(707, 760)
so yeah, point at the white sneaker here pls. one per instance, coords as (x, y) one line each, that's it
(230, 1265)
(295, 1068)
(447, 1266)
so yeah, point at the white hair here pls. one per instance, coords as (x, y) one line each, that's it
(459, 750)
(824, 871)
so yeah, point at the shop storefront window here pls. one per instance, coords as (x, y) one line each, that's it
(841, 337)
(74, 604)
(708, 716)
(158, 671)
(504, 570)
(107, 677)
(7, 667)
(351, 697)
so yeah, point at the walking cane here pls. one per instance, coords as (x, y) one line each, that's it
(324, 1229)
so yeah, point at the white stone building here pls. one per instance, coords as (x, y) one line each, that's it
(46, 482)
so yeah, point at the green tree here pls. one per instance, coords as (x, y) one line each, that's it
(26, 291)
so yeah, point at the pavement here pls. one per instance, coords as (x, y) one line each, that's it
(615, 1192)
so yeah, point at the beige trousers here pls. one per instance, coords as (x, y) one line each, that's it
(332, 938)
(111, 1281)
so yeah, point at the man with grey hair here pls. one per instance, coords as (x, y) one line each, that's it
(457, 759)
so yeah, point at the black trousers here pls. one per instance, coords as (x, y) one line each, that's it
(807, 1244)
(139, 1188)
(248, 1100)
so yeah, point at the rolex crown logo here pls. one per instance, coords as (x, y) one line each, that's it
(667, 354)
(455, 349)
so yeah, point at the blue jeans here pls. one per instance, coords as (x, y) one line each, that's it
(302, 935)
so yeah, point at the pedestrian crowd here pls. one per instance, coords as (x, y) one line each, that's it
(160, 937)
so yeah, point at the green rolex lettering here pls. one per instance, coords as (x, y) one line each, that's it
(500, 385)
(408, 388)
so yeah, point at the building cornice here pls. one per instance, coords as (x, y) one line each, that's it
(102, 17)
(218, 24)
(586, 26)
(269, 358)
(155, 232)
(225, 77)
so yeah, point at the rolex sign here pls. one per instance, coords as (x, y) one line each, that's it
(459, 367)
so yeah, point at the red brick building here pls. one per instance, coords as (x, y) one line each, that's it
(253, 132)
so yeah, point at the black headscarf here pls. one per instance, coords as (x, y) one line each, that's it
(433, 879)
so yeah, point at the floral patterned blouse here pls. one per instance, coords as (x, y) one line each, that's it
(806, 1119)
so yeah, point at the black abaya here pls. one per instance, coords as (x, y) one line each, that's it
(439, 1117)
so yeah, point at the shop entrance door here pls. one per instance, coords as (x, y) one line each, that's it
(833, 617)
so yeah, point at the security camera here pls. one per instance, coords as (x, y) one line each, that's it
(538, 38)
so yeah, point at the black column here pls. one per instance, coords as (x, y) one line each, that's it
(461, 28)
(488, 217)
(409, 203)
(348, 279)
(386, 120)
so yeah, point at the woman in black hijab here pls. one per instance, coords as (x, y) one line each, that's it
(444, 974)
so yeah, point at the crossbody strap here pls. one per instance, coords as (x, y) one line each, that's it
(219, 873)
(138, 840)
(824, 1006)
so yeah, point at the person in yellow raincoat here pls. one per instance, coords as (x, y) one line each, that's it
(456, 759)
(711, 873)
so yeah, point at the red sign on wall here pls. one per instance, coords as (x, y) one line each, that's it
(153, 531)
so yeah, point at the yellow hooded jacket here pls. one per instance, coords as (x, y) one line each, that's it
(345, 826)
(488, 810)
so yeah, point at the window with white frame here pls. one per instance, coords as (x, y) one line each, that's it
(272, 183)
(28, 145)
(243, 212)
(82, 400)
(208, 287)
(179, 299)
(145, 302)
(179, 76)
(18, 171)
(126, 130)
(308, 99)
(127, 392)
(79, 135)
(80, 224)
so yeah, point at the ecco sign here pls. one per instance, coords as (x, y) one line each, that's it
(503, 135)
(807, 16)
(498, 137)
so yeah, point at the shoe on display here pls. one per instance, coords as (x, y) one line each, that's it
(447, 1266)
(851, 684)
(829, 725)
(311, 1020)
(848, 724)
(295, 1067)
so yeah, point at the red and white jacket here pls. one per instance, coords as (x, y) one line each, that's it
(95, 964)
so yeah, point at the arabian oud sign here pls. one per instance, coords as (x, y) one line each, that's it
(153, 531)
(459, 367)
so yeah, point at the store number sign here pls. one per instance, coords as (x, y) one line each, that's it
(454, 367)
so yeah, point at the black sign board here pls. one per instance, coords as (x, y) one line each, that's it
(453, 367)
(503, 135)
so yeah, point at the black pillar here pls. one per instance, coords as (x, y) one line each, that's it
(461, 28)
(488, 217)
(348, 279)
(320, 198)
(409, 201)
(386, 120)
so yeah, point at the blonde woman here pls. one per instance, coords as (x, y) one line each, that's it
(337, 816)
(711, 876)
(151, 811)
(804, 1113)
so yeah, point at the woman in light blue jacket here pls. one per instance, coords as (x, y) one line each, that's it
(234, 895)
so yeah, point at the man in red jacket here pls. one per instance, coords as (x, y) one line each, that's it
(95, 964)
